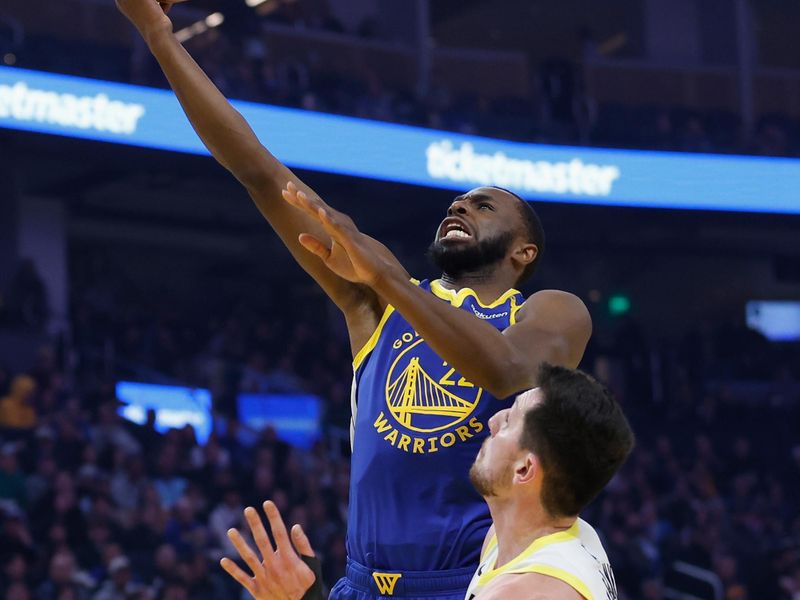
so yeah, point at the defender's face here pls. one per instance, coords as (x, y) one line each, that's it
(493, 470)
(480, 214)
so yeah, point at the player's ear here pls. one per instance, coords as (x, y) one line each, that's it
(525, 254)
(526, 468)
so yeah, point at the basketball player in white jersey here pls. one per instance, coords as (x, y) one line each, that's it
(546, 458)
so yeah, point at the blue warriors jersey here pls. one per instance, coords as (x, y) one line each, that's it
(417, 427)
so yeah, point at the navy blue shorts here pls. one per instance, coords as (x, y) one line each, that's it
(361, 583)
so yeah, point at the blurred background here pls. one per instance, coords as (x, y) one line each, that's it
(163, 361)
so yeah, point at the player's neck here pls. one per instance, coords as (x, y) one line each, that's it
(518, 524)
(487, 285)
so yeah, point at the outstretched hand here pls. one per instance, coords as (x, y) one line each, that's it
(352, 255)
(280, 574)
(166, 5)
(148, 16)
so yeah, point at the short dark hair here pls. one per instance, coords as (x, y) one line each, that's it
(533, 229)
(580, 436)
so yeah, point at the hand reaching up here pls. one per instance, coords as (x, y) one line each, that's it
(280, 574)
(148, 16)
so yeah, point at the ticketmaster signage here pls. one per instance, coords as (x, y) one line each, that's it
(125, 114)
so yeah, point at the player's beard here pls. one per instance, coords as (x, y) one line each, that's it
(455, 260)
(487, 484)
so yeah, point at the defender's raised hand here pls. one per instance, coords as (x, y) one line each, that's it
(351, 254)
(280, 574)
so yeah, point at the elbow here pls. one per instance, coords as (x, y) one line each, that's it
(508, 378)
(501, 389)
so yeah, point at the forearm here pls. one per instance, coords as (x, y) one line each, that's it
(235, 146)
(221, 128)
(477, 350)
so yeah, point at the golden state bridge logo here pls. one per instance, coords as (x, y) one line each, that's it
(426, 396)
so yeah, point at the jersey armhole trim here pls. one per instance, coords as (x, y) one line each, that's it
(373, 339)
(515, 308)
(571, 580)
(489, 547)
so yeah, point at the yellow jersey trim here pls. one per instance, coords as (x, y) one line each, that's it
(489, 547)
(373, 339)
(538, 544)
(562, 575)
(514, 310)
(456, 298)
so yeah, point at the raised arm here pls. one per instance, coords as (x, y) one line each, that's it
(235, 146)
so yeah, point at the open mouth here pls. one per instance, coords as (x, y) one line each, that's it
(453, 229)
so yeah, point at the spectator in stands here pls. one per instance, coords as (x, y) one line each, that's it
(12, 479)
(226, 514)
(17, 591)
(15, 572)
(64, 578)
(120, 584)
(16, 409)
(111, 434)
(27, 298)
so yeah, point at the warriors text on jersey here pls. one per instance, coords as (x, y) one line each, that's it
(417, 427)
(574, 556)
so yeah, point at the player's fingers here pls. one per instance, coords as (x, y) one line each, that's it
(301, 202)
(294, 192)
(330, 222)
(299, 199)
(259, 533)
(245, 551)
(242, 578)
(277, 526)
(313, 245)
(339, 231)
(166, 5)
(301, 542)
(293, 189)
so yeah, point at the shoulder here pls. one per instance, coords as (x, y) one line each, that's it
(554, 310)
(529, 586)
(555, 302)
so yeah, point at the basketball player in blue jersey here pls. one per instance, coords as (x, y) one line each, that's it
(433, 361)
(545, 459)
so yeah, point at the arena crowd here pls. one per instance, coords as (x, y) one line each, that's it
(93, 506)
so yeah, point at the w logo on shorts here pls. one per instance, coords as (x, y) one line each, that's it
(386, 582)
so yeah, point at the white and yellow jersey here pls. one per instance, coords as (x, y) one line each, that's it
(575, 556)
